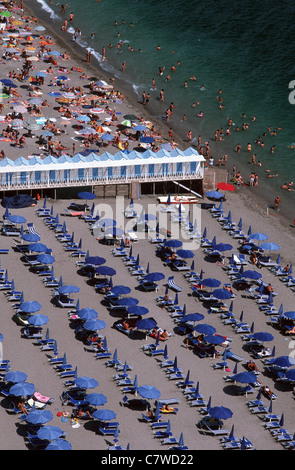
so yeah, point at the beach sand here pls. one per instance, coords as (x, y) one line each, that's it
(26, 356)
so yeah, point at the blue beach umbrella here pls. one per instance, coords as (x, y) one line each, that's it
(220, 412)
(31, 306)
(59, 444)
(211, 282)
(15, 376)
(17, 219)
(104, 414)
(94, 325)
(258, 236)
(250, 274)
(205, 329)
(214, 194)
(94, 260)
(223, 247)
(146, 324)
(38, 247)
(22, 389)
(127, 301)
(137, 310)
(149, 392)
(283, 361)
(290, 374)
(244, 377)
(269, 246)
(185, 253)
(105, 271)
(86, 382)
(31, 237)
(39, 416)
(96, 399)
(214, 339)
(46, 258)
(49, 433)
(221, 294)
(147, 139)
(290, 315)
(68, 289)
(154, 277)
(120, 289)
(173, 243)
(38, 319)
(140, 128)
(263, 336)
(192, 317)
(87, 314)
(108, 137)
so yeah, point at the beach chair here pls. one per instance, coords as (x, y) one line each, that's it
(172, 285)
(31, 229)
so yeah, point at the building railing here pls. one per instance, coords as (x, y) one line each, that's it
(21, 183)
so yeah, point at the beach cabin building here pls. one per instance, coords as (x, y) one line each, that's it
(133, 172)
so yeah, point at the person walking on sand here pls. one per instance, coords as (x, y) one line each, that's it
(277, 203)
(189, 136)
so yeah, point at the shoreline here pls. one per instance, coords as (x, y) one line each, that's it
(260, 196)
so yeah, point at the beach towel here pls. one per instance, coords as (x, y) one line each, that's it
(54, 93)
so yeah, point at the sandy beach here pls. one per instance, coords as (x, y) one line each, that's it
(26, 356)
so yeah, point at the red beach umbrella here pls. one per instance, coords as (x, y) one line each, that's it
(225, 186)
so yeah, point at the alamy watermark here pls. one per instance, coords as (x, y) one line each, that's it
(177, 221)
(291, 96)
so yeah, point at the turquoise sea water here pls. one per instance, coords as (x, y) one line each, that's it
(244, 49)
